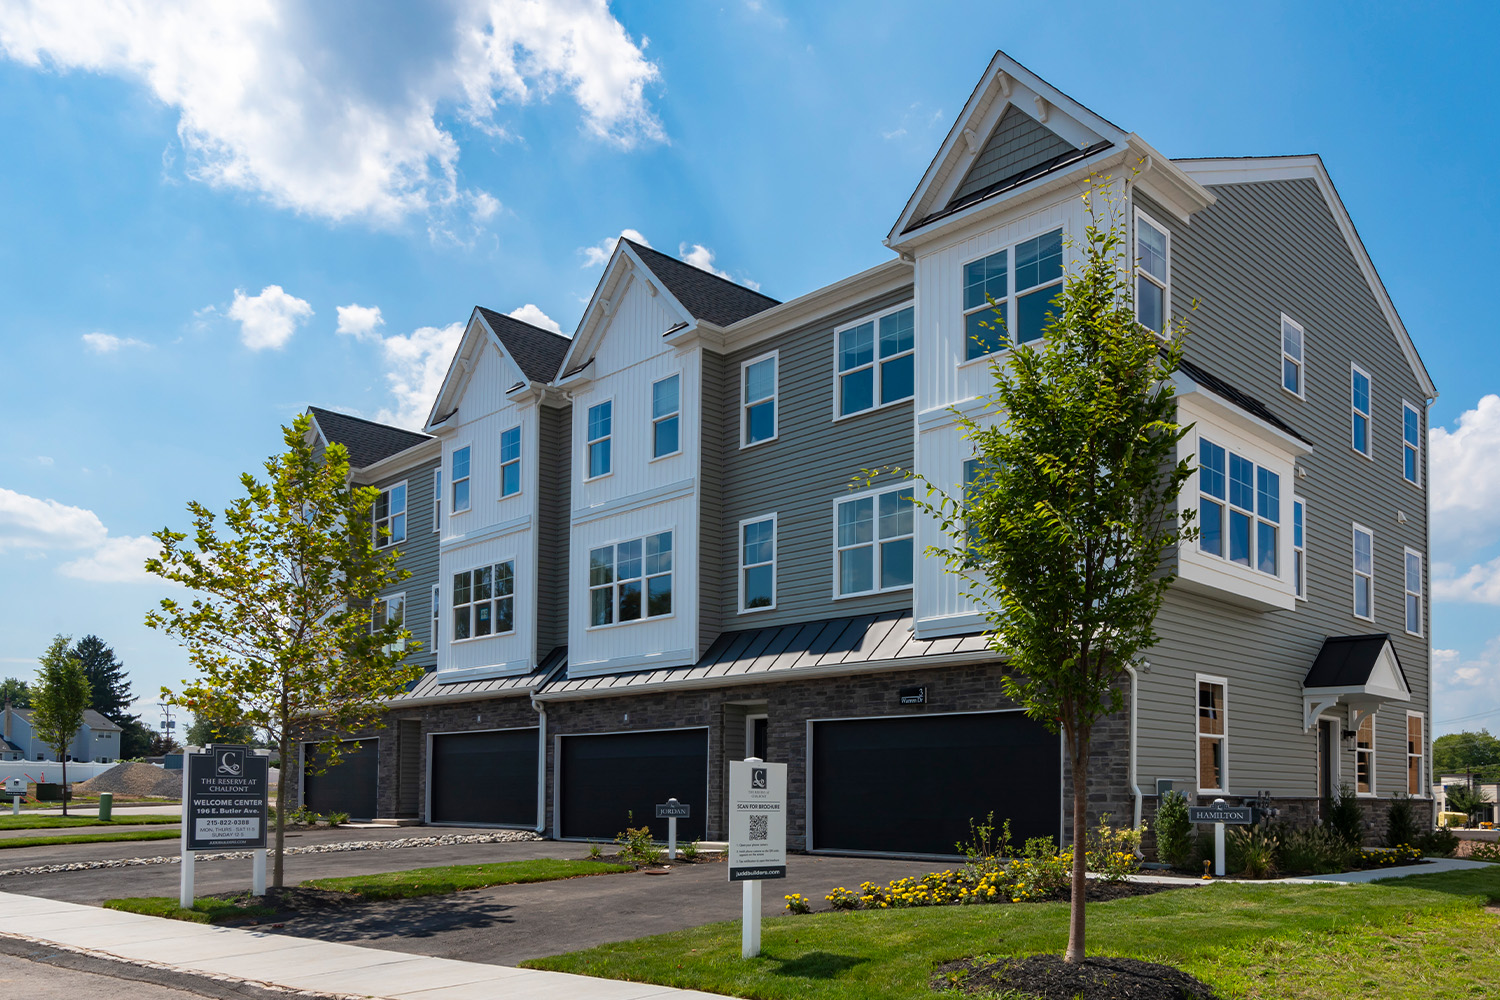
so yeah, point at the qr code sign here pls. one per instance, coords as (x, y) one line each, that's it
(760, 827)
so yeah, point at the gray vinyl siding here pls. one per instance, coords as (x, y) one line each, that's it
(800, 474)
(711, 501)
(554, 504)
(1261, 250)
(1018, 143)
(419, 556)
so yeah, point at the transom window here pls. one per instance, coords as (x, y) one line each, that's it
(1413, 592)
(631, 580)
(460, 479)
(1415, 743)
(1212, 734)
(876, 360)
(484, 601)
(600, 429)
(1364, 573)
(1244, 530)
(1152, 245)
(1411, 443)
(758, 564)
(510, 462)
(873, 542)
(1000, 301)
(758, 386)
(1291, 356)
(390, 516)
(1364, 757)
(1359, 403)
(666, 411)
(1299, 547)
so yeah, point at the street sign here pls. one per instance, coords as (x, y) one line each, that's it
(672, 809)
(15, 786)
(757, 820)
(1232, 815)
(225, 802)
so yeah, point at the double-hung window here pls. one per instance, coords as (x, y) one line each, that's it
(1152, 282)
(510, 462)
(758, 388)
(437, 605)
(666, 411)
(1292, 344)
(1239, 508)
(1364, 757)
(1411, 443)
(758, 564)
(1299, 547)
(873, 541)
(600, 430)
(1364, 573)
(390, 516)
(1413, 592)
(631, 580)
(460, 480)
(389, 609)
(1000, 300)
(484, 601)
(1359, 405)
(876, 359)
(1415, 752)
(437, 499)
(1212, 735)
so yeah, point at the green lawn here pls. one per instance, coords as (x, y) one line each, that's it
(454, 878)
(87, 838)
(204, 911)
(1269, 941)
(1474, 882)
(24, 822)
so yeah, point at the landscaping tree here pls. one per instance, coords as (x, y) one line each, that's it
(107, 682)
(160, 744)
(1061, 537)
(15, 692)
(135, 737)
(1463, 753)
(281, 633)
(207, 729)
(58, 701)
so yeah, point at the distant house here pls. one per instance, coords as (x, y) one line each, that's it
(97, 741)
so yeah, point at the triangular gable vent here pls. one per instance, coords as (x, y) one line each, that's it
(1019, 143)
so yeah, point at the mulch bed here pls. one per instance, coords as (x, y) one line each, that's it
(1102, 892)
(290, 901)
(703, 858)
(1048, 977)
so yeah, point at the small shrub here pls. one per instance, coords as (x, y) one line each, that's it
(1041, 871)
(690, 851)
(337, 818)
(1344, 818)
(1111, 851)
(798, 903)
(1439, 843)
(1388, 857)
(1401, 822)
(1313, 850)
(843, 899)
(301, 816)
(985, 848)
(1484, 851)
(637, 847)
(594, 852)
(1174, 834)
(1251, 851)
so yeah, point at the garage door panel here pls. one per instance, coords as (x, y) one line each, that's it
(911, 785)
(608, 778)
(349, 786)
(485, 778)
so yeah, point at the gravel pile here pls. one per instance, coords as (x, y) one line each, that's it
(446, 840)
(134, 779)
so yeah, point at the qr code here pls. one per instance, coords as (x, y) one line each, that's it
(760, 827)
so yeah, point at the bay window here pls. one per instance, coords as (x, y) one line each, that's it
(484, 601)
(1239, 508)
(631, 580)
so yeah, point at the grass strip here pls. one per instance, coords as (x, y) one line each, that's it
(455, 878)
(24, 822)
(1481, 882)
(204, 911)
(88, 838)
(1273, 941)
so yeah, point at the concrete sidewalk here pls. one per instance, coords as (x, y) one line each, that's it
(1433, 866)
(298, 963)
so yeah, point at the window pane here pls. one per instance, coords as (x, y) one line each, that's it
(1265, 547)
(460, 588)
(602, 566)
(1239, 538)
(482, 584)
(895, 513)
(760, 422)
(398, 499)
(1291, 375)
(664, 396)
(1362, 596)
(659, 553)
(1360, 385)
(760, 380)
(398, 528)
(1291, 341)
(986, 277)
(1039, 260)
(1211, 527)
(599, 455)
(1211, 708)
(1362, 547)
(1299, 513)
(1411, 425)
(510, 444)
(1241, 482)
(461, 623)
(1298, 574)
(1268, 495)
(630, 600)
(600, 420)
(601, 606)
(897, 333)
(758, 587)
(1211, 468)
(984, 332)
(505, 579)
(857, 391)
(628, 560)
(857, 570)
(1409, 466)
(856, 521)
(461, 495)
(1210, 766)
(482, 619)
(659, 595)
(1413, 572)
(1361, 434)
(1151, 250)
(382, 506)
(757, 543)
(897, 379)
(1148, 303)
(856, 346)
(895, 563)
(1032, 312)
(510, 479)
(505, 618)
(664, 437)
(1413, 613)
(461, 463)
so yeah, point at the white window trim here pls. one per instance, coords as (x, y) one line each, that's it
(1302, 549)
(397, 598)
(1420, 594)
(1011, 297)
(1405, 445)
(520, 450)
(437, 499)
(405, 511)
(1374, 791)
(1354, 574)
(875, 318)
(1369, 420)
(1254, 513)
(514, 617)
(1198, 681)
(1424, 787)
(436, 608)
(675, 413)
(588, 442)
(1285, 357)
(775, 399)
(588, 600)
(875, 542)
(739, 541)
(1166, 286)
(453, 482)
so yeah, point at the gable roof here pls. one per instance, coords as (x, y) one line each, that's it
(537, 352)
(703, 294)
(91, 718)
(1351, 661)
(1239, 398)
(368, 442)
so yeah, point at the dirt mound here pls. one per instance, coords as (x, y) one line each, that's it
(134, 779)
(1048, 977)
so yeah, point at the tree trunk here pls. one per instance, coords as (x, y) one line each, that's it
(63, 758)
(282, 748)
(1080, 853)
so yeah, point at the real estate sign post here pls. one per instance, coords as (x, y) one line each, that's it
(757, 837)
(225, 790)
(672, 810)
(1219, 814)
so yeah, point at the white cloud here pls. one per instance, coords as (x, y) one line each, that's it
(533, 314)
(117, 560)
(1465, 466)
(415, 366)
(268, 319)
(1478, 584)
(360, 322)
(1466, 691)
(108, 343)
(599, 254)
(28, 522)
(45, 460)
(322, 110)
(702, 258)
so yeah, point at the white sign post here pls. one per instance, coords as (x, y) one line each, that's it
(672, 810)
(16, 789)
(757, 837)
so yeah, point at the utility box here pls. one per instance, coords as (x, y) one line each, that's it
(51, 791)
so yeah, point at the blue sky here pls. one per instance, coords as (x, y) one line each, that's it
(188, 195)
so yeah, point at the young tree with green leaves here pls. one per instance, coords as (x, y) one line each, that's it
(281, 631)
(1061, 538)
(206, 729)
(58, 701)
(15, 692)
(107, 681)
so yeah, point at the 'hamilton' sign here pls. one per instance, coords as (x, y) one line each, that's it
(225, 805)
(1232, 815)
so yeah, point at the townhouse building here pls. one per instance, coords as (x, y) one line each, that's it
(682, 537)
(97, 739)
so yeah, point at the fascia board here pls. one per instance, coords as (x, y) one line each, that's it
(315, 432)
(885, 278)
(1168, 183)
(457, 373)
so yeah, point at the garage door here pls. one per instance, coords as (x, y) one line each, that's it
(487, 778)
(606, 779)
(349, 786)
(911, 785)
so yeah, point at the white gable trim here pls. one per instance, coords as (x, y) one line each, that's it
(465, 360)
(1251, 170)
(624, 267)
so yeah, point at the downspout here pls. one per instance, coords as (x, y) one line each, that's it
(1135, 788)
(541, 766)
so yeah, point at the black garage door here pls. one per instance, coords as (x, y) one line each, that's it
(606, 779)
(911, 785)
(348, 787)
(485, 778)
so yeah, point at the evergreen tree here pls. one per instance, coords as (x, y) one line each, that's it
(107, 681)
(135, 737)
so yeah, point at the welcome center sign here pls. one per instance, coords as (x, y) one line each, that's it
(225, 802)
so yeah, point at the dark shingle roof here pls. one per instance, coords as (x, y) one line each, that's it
(1347, 660)
(707, 296)
(1243, 400)
(537, 352)
(367, 441)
